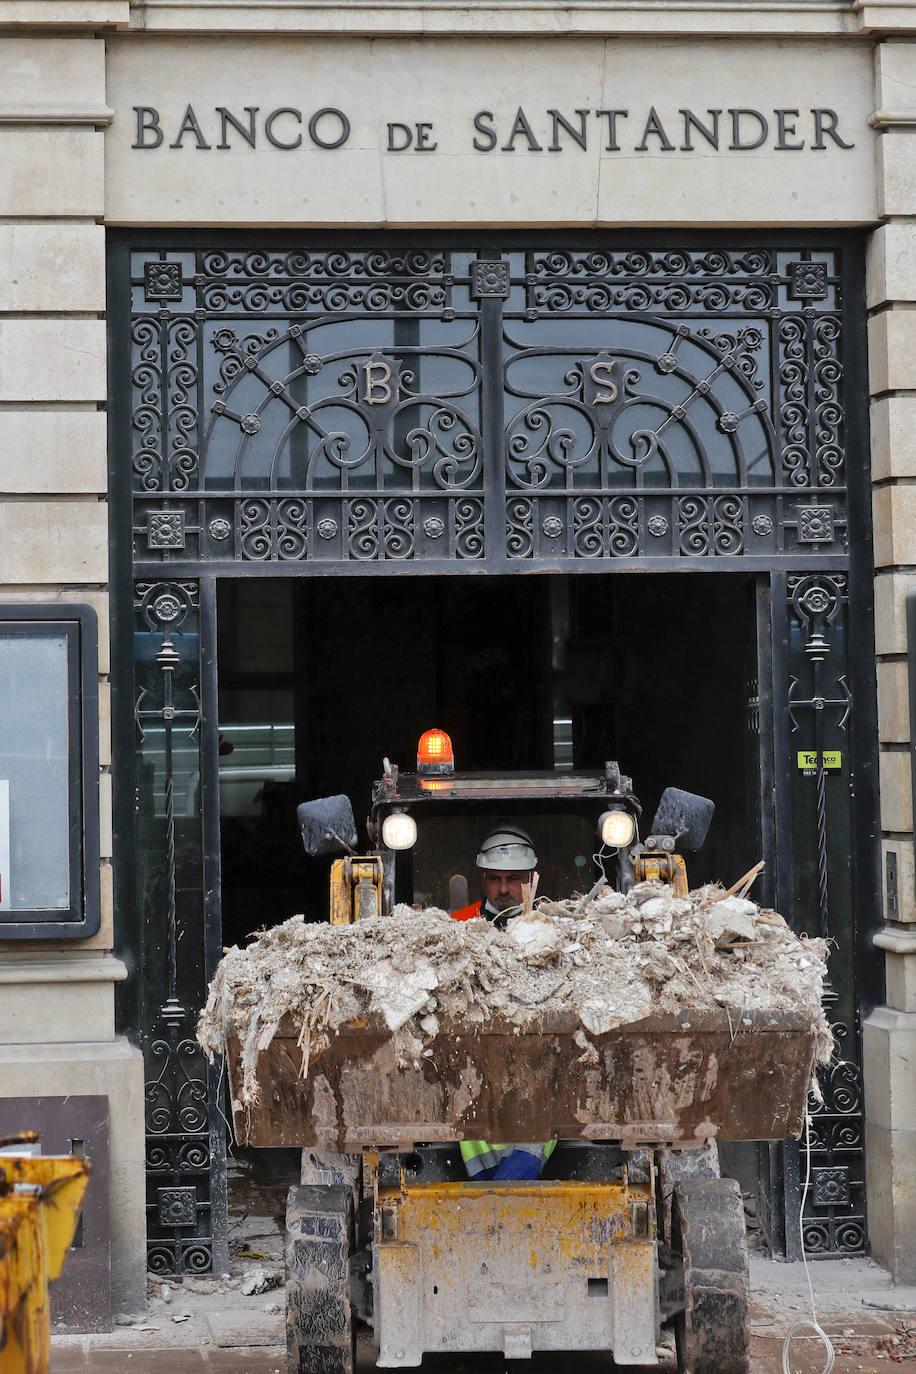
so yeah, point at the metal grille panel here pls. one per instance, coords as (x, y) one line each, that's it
(338, 408)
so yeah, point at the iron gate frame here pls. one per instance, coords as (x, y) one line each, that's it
(774, 600)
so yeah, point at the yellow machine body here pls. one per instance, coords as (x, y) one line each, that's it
(356, 889)
(662, 868)
(40, 1201)
(515, 1268)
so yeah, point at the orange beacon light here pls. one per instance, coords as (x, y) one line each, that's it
(435, 753)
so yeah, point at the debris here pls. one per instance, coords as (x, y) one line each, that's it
(165, 1292)
(259, 1280)
(589, 1054)
(899, 1346)
(610, 958)
(731, 920)
(272, 1308)
(203, 1286)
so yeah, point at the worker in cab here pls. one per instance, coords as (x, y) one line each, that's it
(506, 860)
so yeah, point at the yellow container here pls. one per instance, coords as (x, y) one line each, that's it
(40, 1201)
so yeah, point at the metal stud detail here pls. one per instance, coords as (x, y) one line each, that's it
(177, 1206)
(815, 525)
(807, 281)
(830, 1187)
(162, 281)
(490, 279)
(165, 529)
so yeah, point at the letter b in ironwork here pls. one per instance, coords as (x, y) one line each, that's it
(377, 382)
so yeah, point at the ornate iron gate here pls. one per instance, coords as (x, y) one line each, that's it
(466, 406)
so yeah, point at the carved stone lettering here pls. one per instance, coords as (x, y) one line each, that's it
(555, 130)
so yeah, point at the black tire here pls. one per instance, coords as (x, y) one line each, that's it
(708, 1234)
(320, 1327)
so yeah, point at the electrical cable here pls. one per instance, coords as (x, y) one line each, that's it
(813, 1323)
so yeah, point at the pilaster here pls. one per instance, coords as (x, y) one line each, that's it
(57, 1028)
(890, 1032)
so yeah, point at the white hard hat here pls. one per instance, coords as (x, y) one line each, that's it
(510, 848)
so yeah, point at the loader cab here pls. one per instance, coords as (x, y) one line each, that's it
(426, 827)
(453, 814)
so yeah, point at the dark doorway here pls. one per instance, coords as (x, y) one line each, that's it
(319, 680)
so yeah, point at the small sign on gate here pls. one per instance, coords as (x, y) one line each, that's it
(807, 760)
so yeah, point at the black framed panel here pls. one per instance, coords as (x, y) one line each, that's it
(49, 772)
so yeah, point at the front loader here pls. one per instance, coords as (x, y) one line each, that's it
(629, 1229)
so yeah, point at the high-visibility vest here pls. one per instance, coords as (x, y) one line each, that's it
(468, 913)
(520, 1160)
(481, 1159)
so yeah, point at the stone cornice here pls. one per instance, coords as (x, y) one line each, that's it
(896, 941)
(502, 18)
(21, 114)
(893, 119)
(61, 968)
(19, 15)
(887, 16)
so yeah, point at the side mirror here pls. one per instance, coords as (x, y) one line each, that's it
(685, 815)
(327, 825)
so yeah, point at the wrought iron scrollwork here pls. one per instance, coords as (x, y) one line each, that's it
(660, 415)
(819, 705)
(596, 281)
(177, 1104)
(817, 602)
(257, 282)
(278, 392)
(834, 1221)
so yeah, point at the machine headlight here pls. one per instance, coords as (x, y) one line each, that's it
(399, 831)
(617, 829)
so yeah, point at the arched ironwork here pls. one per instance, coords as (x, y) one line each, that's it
(337, 408)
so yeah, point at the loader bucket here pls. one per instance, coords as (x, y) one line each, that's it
(327, 825)
(685, 815)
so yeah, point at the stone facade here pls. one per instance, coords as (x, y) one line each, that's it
(63, 177)
(57, 1024)
(890, 1033)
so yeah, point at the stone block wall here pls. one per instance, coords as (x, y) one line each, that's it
(890, 1033)
(57, 1029)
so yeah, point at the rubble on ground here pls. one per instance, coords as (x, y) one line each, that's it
(609, 958)
(900, 1346)
(260, 1280)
